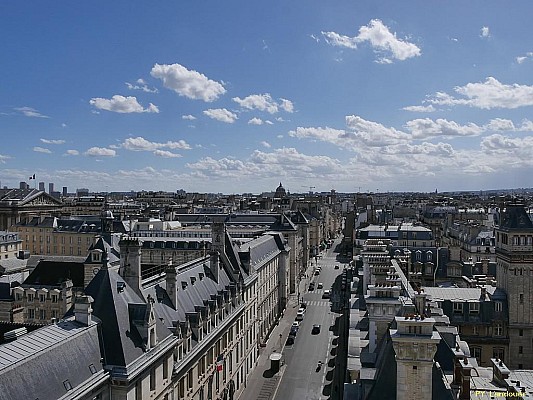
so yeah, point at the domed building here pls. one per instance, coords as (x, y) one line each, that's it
(280, 192)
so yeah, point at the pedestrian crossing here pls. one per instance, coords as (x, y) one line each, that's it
(317, 303)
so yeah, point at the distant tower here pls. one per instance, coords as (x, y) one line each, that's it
(65, 191)
(218, 237)
(50, 187)
(41, 186)
(514, 274)
(415, 345)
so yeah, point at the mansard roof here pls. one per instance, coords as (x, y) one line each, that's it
(39, 364)
(24, 197)
(54, 273)
(112, 297)
(515, 218)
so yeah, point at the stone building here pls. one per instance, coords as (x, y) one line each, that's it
(10, 245)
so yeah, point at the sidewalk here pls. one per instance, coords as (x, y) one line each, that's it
(262, 384)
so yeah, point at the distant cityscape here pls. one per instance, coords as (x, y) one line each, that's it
(178, 295)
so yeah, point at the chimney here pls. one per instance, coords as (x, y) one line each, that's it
(499, 371)
(464, 389)
(218, 238)
(83, 310)
(130, 263)
(172, 287)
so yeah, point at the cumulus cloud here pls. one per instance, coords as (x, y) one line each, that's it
(255, 121)
(266, 144)
(188, 117)
(427, 128)
(140, 84)
(72, 153)
(123, 105)
(141, 144)
(42, 150)
(422, 109)
(484, 32)
(221, 114)
(382, 40)
(264, 102)
(373, 133)
(188, 83)
(30, 112)
(487, 95)
(100, 152)
(53, 141)
(166, 154)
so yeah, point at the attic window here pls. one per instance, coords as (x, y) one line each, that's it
(92, 368)
(67, 385)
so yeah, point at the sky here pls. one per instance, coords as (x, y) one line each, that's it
(238, 96)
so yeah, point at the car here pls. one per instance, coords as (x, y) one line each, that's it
(320, 285)
(315, 330)
(295, 324)
(326, 294)
(290, 339)
(311, 286)
(301, 310)
(299, 316)
(303, 305)
(336, 266)
(294, 330)
(317, 272)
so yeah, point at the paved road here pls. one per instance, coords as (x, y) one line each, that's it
(301, 380)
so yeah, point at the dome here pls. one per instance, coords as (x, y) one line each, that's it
(280, 191)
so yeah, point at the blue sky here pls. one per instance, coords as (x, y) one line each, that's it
(237, 96)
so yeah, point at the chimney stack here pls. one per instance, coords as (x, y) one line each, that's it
(172, 287)
(218, 238)
(83, 310)
(130, 263)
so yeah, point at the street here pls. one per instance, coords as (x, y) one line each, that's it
(302, 378)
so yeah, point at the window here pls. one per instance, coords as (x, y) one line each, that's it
(521, 297)
(476, 352)
(42, 314)
(474, 308)
(42, 298)
(165, 369)
(498, 306)
(30, 297)
(475, 330)
(31, 313)
(458, 308)
(190, 381)
(498, 352)
(520, 349)
(54, 298)
(152, 379)
(498, 329)
(520, 332)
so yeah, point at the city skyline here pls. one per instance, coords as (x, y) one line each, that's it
(237, 97)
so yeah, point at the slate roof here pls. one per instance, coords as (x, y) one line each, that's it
(54, 273)
(457, 294)
(111, 307)
(514, 217)
(36, 365)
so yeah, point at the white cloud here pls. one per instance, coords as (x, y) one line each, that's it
(53, 141)
(255, 121)
(188, 117)
(315, 38)
(221, 114)
(121, 104)
(166, 154)
(487, 95)
(42, 150)
(522, 59)
(188, 83)
(266, 144)
(424, 109)
(140, 84)
(72, 153)
(141, 144)
(30, 112)
(380, 38)
(427, 128)
(287, 105)
(499, 124)
(4, 158)
(373, 133)
(485, 32)
(100, 152)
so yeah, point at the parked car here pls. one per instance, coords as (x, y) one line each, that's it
(320, 285)
(303, 305)
(326, 294)
(317, 272)
(301, 310)
(299, 316)
(315, 330)
(290, 339)
(336, 266)
(294, 330)
(311, 286)
(296, 325)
